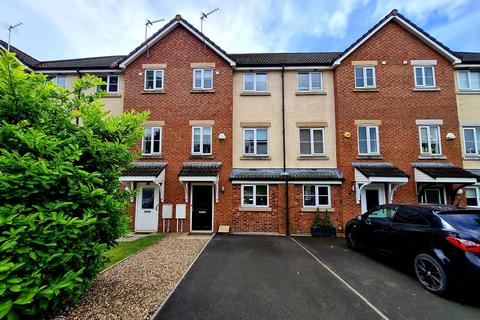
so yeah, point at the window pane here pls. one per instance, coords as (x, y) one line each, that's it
(428, 76)
(434, 140)
(62, 81)
(475, 80)
(322, 196)
(419, 76)
(317, 141)
(305, 145)
(149, 84)
(469, 139)
(424, 140)
(248, 195)
(303, 84)
(359, 82)
(207, 81)
(463, 79)
(248, 78)
(262, 141)
(147, 140)
(158, 79)
(316, 80)
(113, 84)
(207, 139)
(433, 196)
(309, 195)
(471, 194)
(148, 195)
(196, 139)
(370, 81)
(261, 196)
(249, 141)
(373, 139)
(156, 140)
(362, 140)
(198, 78)
(261, 81)
(99, 88)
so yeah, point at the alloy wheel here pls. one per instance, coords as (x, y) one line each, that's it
(430, 273)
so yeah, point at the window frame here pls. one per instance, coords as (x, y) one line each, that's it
(368, 127)
(441, 194)
(312, 142)
(55, 80)
(477, 149)
(154, 88)
(364, 76)
(254, 205)
(201, 140)
(255, 82)
(310, 89)
(152, 140)
(255, 142)
(477, 196)
(429, 141)
(468, 80)
(202, 79)
(415, 67)
(107, 85)
(317, 205)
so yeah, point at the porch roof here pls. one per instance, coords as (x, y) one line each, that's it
(200, 169)
(144, 169)
(442, 173)
(379, 169)
(277, 174)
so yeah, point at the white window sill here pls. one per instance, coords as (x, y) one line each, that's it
(432, 89)
(471, 157)
(314, 209)
(156, 91)
(155, 155)
(255, 93)
(312, 157)
(311, 93)
(201, 156)
(467, 92)
(257, 209)
(112, 95)
(253, 157)
(369, 156)
(366, 89)
(432, 156)
(202, 91)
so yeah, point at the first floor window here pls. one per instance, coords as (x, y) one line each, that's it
(255, 141)
(202, 79)
(154, 79)
(60, 81)
(365, 77)
(202, 140)
(255, 81)
(429, 140)
(312, 142)
(152, 140)
(469, 80)
(309, 81)
(424, 76)
(472, 196)
(316, 196)
(471, 140)
(368, 140)
(111, 84)
(255, 195)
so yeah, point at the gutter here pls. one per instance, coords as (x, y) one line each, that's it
(285, 173)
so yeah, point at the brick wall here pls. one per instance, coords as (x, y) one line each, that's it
(396, 105)
(178, 105)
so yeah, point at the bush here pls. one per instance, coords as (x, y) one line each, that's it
(60, 202)
(322, 222)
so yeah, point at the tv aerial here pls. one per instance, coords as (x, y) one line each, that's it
(149, 23)
(204, 16)
(12, 28)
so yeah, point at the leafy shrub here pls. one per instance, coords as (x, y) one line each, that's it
(60, 202)
(322, 222)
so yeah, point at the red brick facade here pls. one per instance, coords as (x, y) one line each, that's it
(396, 105)
(178, 105)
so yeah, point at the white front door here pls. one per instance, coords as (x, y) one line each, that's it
(146, 215)
(372, 196)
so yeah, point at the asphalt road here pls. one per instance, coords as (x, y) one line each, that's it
(261, 277)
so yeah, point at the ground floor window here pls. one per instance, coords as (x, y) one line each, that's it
(433, 195)
(316, 196)
(255, 195)
(472, 196)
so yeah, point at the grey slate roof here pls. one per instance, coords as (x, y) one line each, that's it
(106, 62)
(469, 57)
(22, 56)
(443, 170)
(145, 169)
(286, 59)
(293, 174)
(475, 172)
(379, 169)
(200, 169)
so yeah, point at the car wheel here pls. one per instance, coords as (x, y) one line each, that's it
(351, 240)
(430, 273)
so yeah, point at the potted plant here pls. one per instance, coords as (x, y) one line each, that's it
(323, 226)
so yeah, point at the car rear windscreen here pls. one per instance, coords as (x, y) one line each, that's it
(464, 221)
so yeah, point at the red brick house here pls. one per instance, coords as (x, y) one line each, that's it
(185, 81)
(396, 115)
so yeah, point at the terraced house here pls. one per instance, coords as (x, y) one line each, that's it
(258, 142)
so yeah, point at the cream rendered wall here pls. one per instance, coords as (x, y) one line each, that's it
(298, 108)
(468, 105)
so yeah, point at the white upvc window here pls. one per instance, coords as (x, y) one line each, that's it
(430, 140)
(365, 78)
(255, 195)
(255, 141)
(312, 141)
(309, 81)
(316, 196)
(424, 76)
(152, 141)
(154, 79)
(471, 140)
(111, 84)
(472, 196)
(203, 79)
(60, 81)
(368, 140)
(469, 80)
(202, 140)
(255, 82)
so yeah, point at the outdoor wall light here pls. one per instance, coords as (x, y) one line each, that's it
(450, 136)
(347, 134)
(222, 136)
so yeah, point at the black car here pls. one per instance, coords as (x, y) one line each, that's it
(442, 242)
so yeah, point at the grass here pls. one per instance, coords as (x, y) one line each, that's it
(125, 249)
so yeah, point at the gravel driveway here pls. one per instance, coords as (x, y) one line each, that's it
(134, 288)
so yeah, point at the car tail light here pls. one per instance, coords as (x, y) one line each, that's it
(466, 245)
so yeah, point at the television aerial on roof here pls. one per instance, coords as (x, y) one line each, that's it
(11, 28)
(204, 16)
(149, 23)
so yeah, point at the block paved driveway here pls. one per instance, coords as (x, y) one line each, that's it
(263, 277)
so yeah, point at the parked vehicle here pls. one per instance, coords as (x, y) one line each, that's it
(442, 242)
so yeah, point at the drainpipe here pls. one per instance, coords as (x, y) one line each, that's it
(285, 173)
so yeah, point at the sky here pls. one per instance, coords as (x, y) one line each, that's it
(62, 29)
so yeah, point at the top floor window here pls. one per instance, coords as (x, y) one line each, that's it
(469, 80)
(111, 84)
(430, 140)
(309, 81)
(424, 76)
(368, 143)
(255, 81)
(202, 79)
(60, 81)
(154, 79)
(365, 77)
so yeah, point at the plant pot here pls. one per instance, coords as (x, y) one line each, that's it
(323, 232)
